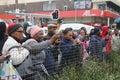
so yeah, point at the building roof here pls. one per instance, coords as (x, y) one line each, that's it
(117, 2)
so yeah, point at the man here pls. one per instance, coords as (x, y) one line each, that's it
(96, 45)
(115, 40)
(51, 31)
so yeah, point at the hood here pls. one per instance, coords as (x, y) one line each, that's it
(104, 31)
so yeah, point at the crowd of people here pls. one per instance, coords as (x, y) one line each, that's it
(33, 54)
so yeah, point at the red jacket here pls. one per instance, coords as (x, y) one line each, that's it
(104, 35)
(108, 46)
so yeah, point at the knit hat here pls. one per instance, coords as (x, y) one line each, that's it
(26, 24)
(35, 30)
(12, 27)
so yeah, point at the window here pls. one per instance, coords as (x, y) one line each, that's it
(102, 6)
(82, 4)
(47, 6)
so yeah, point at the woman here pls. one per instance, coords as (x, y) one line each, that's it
(39, 54)
(82, 33)
(18, 54)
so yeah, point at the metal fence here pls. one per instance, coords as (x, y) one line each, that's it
(42, 64)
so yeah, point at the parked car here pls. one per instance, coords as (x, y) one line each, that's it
(75, 26)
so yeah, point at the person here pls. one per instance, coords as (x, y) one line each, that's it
(91, 32)
(96, 45)
(108, 47)
(51, 31)
(82, 33)
(25, 26)
(3, 38)
(115, 40)
(66, 47)
(39, 54)
(18, 54)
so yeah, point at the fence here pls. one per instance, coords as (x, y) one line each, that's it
(48, 62)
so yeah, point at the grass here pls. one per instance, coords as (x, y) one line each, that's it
(92, 70)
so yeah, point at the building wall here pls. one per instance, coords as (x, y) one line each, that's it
(37, 5)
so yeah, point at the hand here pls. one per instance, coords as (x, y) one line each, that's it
(53, 38)
(1, 58)
(76, 41)
(6, 56)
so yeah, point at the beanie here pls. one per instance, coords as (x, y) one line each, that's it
(12, 27)
(26, 24)
(35, 30)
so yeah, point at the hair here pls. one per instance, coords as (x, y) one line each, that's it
(66, 31)
(2, 30)
(83, 28)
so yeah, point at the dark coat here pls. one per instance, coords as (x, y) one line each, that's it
(66, 48)
(96, 46)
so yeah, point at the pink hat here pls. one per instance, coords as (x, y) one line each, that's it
(75, 33)
(35, 30)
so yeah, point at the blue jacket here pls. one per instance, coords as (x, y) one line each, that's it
(96, 46)
(66, 48)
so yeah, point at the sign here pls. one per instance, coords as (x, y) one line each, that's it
(88, 13)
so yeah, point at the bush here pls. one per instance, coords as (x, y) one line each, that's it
(92, 70)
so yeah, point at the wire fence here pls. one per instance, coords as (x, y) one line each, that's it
(42, 64)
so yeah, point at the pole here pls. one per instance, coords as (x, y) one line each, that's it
(108, 21)
(75, 15)
(17, 10)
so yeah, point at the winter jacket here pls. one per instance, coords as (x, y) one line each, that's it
(50, 61)
(19, 56)
(96, 46)
(108, 46)
(40, 54)
(66, 47)
(104, 35)
(115, 42)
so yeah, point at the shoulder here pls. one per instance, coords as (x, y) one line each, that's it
(9, 43)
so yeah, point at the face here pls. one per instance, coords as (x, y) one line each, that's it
(69, 35)
(52, 30)
(116, 32)
(39, 36)
(18, 33)
(82, 32)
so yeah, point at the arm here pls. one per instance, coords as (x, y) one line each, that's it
(93, 46)
(42, 45)
(18, 55)
(1, 59)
